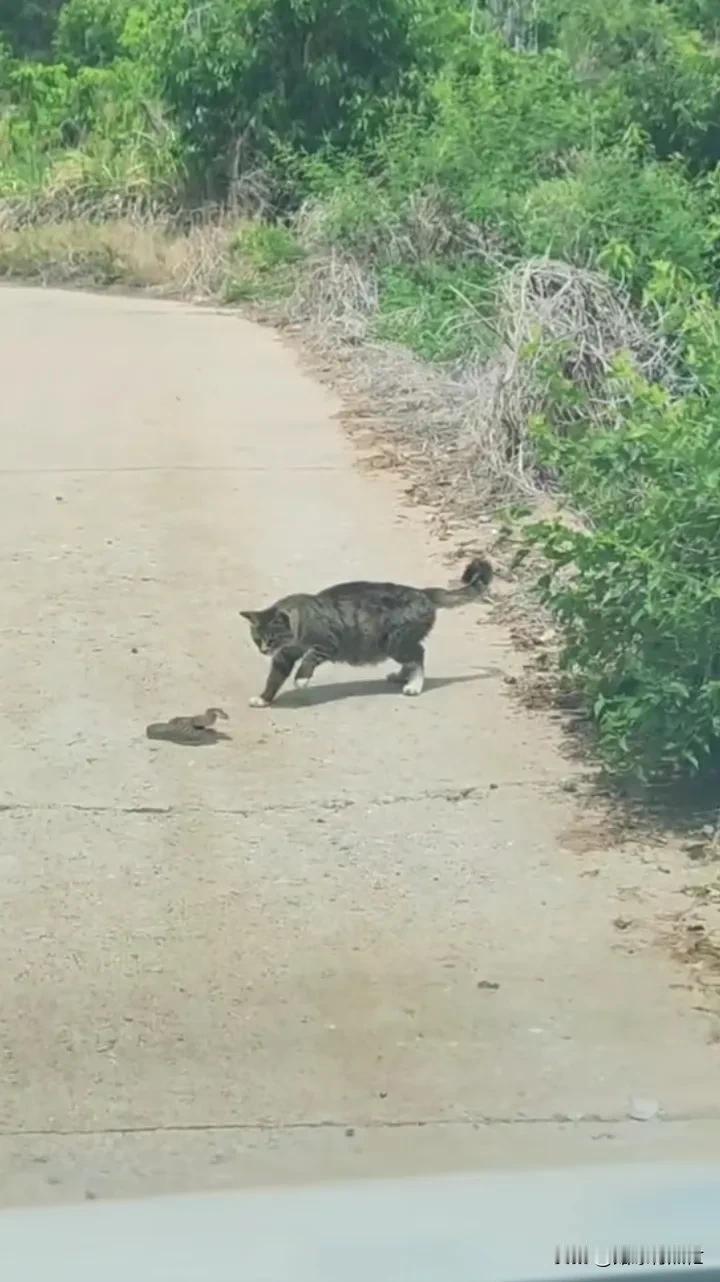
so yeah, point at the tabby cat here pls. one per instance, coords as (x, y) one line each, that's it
(356, 623)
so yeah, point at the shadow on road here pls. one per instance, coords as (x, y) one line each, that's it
(314, 695)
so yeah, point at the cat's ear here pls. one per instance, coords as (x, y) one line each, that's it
(252, 616)
(291, 618)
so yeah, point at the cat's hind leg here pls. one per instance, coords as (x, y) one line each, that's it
(411, 657)
(398, 677)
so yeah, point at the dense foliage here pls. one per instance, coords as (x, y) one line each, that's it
(28, 25)
(440, 141)
(638, 593)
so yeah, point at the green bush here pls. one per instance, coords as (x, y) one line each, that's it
(266, 246)
(238, 74)
(621, 212)
(95, 132)
(440, 312)
(483, 133)
(28, 25)
(660, 62)
(637, 591)
(488, 131)
(89, 32)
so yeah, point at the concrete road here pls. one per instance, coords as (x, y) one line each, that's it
(365, 933)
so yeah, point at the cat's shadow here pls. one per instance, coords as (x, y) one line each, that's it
(330, 693)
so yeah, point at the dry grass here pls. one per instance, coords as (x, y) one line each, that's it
(137, 252)
(427, 413)
(427, 226)
(464, 431)
(76, 191)
(198, 261)
(582, 322)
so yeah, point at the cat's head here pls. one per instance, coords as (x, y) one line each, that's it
(270, 629)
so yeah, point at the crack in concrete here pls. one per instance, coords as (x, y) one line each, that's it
(330, 1124)
(454, 796)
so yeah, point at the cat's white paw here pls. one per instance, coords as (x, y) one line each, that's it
(301, 682)
(414, 686)
(257, 701)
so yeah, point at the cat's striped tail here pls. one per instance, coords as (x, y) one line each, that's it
(474, 581)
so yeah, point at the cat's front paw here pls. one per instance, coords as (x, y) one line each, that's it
(257, 701)
(300, 683)
(413, 687)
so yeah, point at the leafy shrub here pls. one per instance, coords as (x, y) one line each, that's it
(238, 73)
(619, 211)
(94, 133)
(28, 25)
(659, 60)
(638, 592)
(267, 246)
(261, 261)
(437, 311)
(37, 103)
(490, 130)
(89, 32)
(484, 132)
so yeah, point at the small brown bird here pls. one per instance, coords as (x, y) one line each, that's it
(190, 730)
